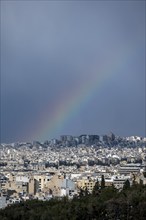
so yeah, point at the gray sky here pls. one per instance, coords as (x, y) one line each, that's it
(49, 51)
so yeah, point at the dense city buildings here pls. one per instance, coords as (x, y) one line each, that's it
(63, 167)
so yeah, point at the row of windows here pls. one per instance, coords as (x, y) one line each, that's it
(89, 184)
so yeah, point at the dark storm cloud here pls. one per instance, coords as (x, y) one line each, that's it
(47, 48)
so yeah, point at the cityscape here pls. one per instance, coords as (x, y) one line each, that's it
(63, 167)
(72, 110)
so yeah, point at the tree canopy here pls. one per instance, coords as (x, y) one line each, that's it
(108, 204)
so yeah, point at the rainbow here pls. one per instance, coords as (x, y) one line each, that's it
(76, 99)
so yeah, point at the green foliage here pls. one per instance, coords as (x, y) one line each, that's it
(96, 188)
(126, 185)
(110, 204)
(102, 182)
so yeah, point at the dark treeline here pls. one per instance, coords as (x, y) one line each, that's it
(105, 203)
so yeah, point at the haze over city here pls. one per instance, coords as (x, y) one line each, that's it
(75, 67)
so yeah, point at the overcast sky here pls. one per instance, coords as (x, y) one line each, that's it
(50, 49)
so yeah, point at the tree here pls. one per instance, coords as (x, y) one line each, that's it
(126, 185)
(81, 193)
(134, 180)
(86, 192)
(96, 188)
(102, 182)
(141, 182)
